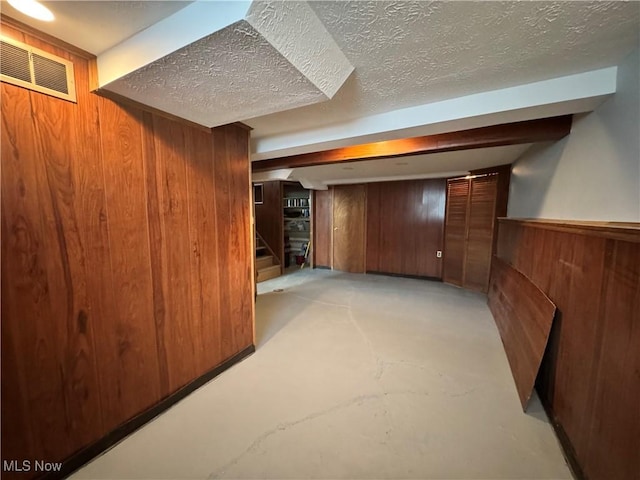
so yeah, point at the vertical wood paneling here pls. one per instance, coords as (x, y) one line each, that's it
(240, 256)
(203, 231)
(374, 232)
(126, 262)
(614, 426)
(230, 149)
(14, 406)
(269, 218)
(132, 382)
(587, 378)
(349, 225)
(157, 249)
(26, 296)
(405, 222)
(181, 342)
(322, 219)
(455, 232)
(60, 181)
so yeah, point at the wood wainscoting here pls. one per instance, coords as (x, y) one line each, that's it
(590, 375)
(126, 262)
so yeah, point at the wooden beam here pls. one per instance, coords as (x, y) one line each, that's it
(530, 131)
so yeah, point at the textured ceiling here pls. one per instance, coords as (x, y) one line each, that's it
(412, 53)
(233, 73)
(279, 57)
(96, 26)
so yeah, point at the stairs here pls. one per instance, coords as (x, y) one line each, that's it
(267, 266)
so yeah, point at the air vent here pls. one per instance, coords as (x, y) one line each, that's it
(35, 69)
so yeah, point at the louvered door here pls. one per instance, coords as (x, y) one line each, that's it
(469, 229)
(480, 223)
(456, 230)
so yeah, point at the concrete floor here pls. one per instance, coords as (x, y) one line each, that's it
(354, 377)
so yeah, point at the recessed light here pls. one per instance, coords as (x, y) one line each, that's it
(33, 8)
(402, 163)
(347, 168)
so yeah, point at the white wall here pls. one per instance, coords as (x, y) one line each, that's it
(594, 173)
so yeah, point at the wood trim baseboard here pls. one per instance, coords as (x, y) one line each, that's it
(625, 231)
(563, 439)
(402, 275)
(84, 456)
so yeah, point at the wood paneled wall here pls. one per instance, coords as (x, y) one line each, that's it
(126, 262)
(402, 230)
(269, 222)
(405, 226)
(589, 379)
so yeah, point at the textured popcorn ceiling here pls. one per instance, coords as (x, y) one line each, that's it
(295, 31)
(278, 58)
(412, 53)
(220, 79)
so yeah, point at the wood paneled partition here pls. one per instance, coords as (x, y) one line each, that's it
(405, 226)
(589, 378)
(126, 262)
(385, 227)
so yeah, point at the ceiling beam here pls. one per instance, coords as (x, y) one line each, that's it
(530, 131)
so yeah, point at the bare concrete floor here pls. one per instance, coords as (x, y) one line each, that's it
(354, 377)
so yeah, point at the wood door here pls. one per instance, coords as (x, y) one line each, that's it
(349, 206)
(322, 218)
(456, 216)
(481, 220)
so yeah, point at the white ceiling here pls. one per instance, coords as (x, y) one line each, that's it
(420, 67)
(96, 26)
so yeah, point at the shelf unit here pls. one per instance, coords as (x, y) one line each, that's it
(296, 213)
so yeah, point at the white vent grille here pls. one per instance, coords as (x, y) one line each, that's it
(35, 69)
